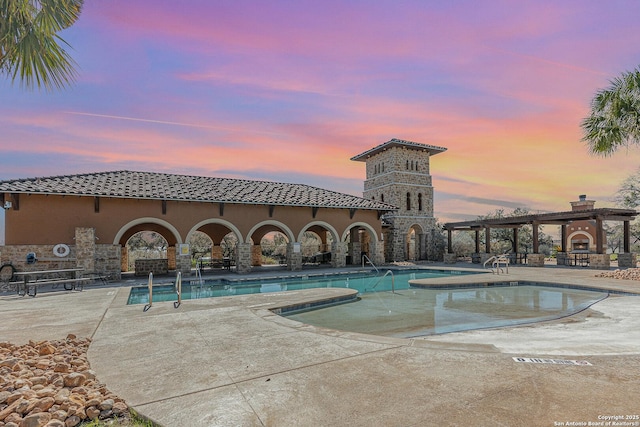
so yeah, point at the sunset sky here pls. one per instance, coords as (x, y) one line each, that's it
(291, 90)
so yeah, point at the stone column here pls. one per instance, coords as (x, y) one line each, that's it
(182, 263)
(338, 254)
(561, 258)
(535, 260)
(599, 261)
(294, 256)
(627, 260)
(355, 248)
(377, 252)
(243, 264)
(86, 249)
(450, 258)
(422, 238)
(484, 257)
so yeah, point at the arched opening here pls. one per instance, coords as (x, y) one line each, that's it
(145, 245)
(415, 244)
(316, 246)
(148, 247)
(219, 250)
(273, 249)
(361, 241)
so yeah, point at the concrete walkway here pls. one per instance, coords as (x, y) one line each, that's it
(232, 362)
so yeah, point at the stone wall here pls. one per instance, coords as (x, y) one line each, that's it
(599, 261)
(156, 266)
(627, 260)
(106, 259)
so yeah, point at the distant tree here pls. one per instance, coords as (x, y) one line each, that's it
(502, 238)
(30, 47)
(229, 244)
(463, 243)
(627, 196)
(199, 245)
(614, 120)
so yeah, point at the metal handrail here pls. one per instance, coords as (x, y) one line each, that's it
(178, 288)
(150, 286)
(370, 262)
(393, 281)
(496, 260)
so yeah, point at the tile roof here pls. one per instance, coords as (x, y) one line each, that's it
(161, 186)
(394, 142)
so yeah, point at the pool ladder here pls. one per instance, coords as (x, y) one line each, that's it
(364, 257)
(393, 281)
(177, 287)
(496, 261)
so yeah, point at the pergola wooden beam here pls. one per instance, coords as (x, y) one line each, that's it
(556, 218)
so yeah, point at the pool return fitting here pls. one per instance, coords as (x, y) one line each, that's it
(177, 286)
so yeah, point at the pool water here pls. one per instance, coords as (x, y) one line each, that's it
(419, 312)
(362, 282)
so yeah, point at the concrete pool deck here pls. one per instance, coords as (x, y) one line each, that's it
(231, 362)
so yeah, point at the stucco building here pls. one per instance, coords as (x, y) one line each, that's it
(85, 220)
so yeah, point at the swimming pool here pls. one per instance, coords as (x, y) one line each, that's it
(363, 282)
(419, 312)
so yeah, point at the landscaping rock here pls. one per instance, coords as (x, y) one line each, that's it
(626, 274)
(50, 384)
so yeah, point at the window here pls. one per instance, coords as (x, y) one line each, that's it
(408, 201)
(420, 201)
(382, 198)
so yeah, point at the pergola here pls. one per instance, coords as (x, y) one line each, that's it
(535, 220)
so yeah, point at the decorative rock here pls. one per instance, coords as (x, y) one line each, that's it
(50, 383)
(72, 421)
(41, 405)
(39, 419)
(92, 412)
(627, 274)
(119, 408)
(74, 379)
(46, 349)
(14, 417)
(106, 404)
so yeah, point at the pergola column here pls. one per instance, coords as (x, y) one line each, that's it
(487, 239)
(599, 235)
(477, 241)
(449, 241)
(515, 241)
(534, 226)
(627, 236)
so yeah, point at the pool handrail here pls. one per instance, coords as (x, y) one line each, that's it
(393, 285)
(178, 289)
(150, 286)
(495, 261)
(364, 257)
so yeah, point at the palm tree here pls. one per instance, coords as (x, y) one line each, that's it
(615, 115)
(30, 48)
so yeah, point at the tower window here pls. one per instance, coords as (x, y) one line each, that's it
(420, 201)
(382, 198)
(408, 201)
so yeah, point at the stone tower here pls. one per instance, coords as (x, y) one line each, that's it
(398, 174)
